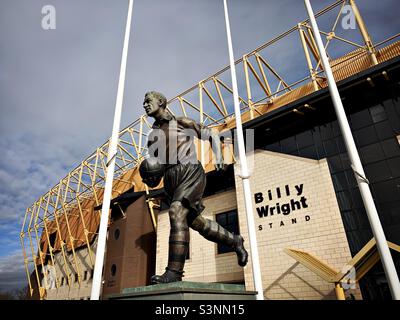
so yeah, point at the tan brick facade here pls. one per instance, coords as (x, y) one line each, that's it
(77, 291)
(322, 235)
(317, 229)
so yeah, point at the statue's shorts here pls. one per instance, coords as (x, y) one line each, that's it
(186, 183)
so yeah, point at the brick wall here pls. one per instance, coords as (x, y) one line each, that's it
(318, 229)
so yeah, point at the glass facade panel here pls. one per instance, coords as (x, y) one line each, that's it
(375, 130)
(229, 221)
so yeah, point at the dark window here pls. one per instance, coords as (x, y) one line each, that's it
(304, 139)
(116, 234)
(289, 145)
(331, 147)
(308, 152)
(371, 153)
(378, 171)
(76, 277)
(391, 148)
(91, 274)
(366, 136)
(113, 270)
(85, 275)
(384, 130)
(360, 119)
(378, 113)
(394, 165)
(62, 281)
(229, 221)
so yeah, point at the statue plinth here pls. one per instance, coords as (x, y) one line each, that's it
(186, 290)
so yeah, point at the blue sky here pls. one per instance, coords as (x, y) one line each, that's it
(58, 87)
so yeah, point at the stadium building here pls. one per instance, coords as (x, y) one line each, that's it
(313, 235)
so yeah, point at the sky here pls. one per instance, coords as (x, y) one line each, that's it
(58, 87)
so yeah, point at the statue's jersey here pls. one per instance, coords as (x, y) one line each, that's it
(172, 139)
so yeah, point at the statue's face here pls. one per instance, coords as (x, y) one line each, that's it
(151, 105)
(153, 181)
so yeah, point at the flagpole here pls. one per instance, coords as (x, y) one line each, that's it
(363, 183)
(112, 151)
(245, 175)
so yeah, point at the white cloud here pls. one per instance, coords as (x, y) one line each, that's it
(12, 272)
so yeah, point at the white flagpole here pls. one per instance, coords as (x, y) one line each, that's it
(363, 184)
(112, 150)
(245, 175)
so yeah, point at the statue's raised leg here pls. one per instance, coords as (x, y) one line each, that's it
(214, 232)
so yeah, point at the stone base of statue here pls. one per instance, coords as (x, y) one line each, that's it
(185, 290)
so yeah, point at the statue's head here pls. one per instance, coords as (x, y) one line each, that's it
(153, 102)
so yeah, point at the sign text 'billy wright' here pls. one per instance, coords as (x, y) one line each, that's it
(273, 206)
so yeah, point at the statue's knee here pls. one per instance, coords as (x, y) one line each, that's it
(199, 224)
(176, 212)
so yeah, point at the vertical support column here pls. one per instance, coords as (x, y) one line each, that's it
(45, 221)
(112, 152)
(249, 97)
(245, 173)
(308, 58)
(201, 123)
(339, 292)
(364, 32)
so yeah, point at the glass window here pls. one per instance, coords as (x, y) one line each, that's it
(371, 153)
(384, 130)
(304, 139)
(394, 166)
(350, 220)
(378, 113)
(344, 157)
(366, 136)
(113, 270)
(274, 147)
(339, 181)
(387, 191)
(289, 145)
(335, 164)
(344, 200)
(377, 171)
(340, 144)
(391, 148)
(351, 179)
(356, 196)
(331, 147)
(360, 119)
(362, 218)
(308, 152)
(117, 234)
(326, 132)
(229, 221)
(335, 129)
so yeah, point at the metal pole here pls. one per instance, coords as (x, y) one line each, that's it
(112, 150)
(362, 181)
(244, 169)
